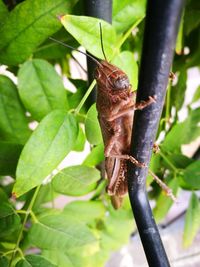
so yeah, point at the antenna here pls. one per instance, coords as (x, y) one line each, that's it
(101, 37)
(71, 47)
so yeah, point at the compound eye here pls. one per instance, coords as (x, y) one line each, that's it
(121, 83)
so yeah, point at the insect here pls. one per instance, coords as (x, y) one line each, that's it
(116, 105)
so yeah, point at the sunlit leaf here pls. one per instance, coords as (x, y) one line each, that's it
(180, 38)
(27, 26)
(76, 180)
(34, 261)
(49, 144)
(60, 231)
(92, 128)
(80, 142)
(85, 211)
(126, 13)
(196, 96)
(95, 157)
(192, 221)
(41, 88)
(86, 31)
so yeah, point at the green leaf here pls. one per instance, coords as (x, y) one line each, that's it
(154, 166)
(34, 261)
(192, 19)
(4, 262)
(27, 26)
(9, 220)
(75, 258)
(83, 257)
(92, 128)
(178, 160)
(126, 13)
(75, 98)
(80, 142)
(76, 180)
(9, 155)
(85, 211)
(180, 37)
(125, 61)
(13, 122)
(191, 176)
(3, 195)
(95, 157)
(60, 231)
(52, 50)
(41, 88)
(46, 194)
(86, 31)
(59, 258)
(196, 96)
(183, 133)
(112, 239)
(49, 144)
(164, 201)
(178, 91)
(3, 12)
(192, 221)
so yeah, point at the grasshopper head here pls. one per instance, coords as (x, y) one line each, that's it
(111, 77)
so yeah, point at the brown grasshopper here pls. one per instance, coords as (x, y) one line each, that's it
(115, 106)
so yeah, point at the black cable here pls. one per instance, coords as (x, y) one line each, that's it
(102, 10)
(162, 21)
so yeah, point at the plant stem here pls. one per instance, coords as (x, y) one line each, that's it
(167, 114)
(168, 162)
(21, 211)
(14, 251)
(125, 36)
(29, 210)
(85, 97)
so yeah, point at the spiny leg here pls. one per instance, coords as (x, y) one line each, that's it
(143, 104)
(164, 187)
(131, 158)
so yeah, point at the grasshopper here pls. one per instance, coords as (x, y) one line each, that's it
(116, 105)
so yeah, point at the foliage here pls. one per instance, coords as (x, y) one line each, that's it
(85, 231)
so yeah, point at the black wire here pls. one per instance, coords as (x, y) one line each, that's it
(162, 21)
(102, 10)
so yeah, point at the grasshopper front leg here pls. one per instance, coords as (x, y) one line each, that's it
(138, 106)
